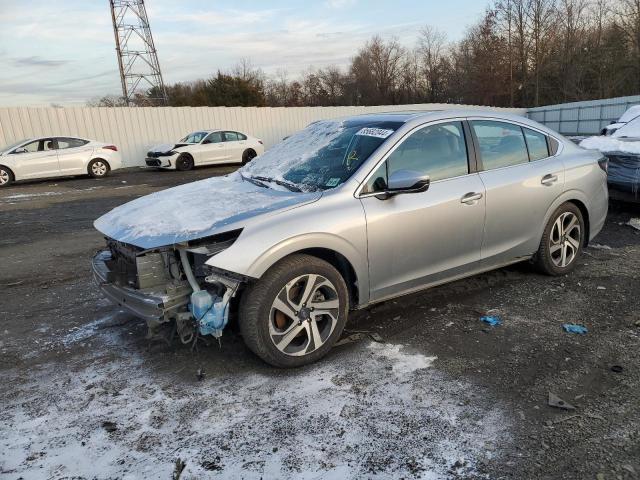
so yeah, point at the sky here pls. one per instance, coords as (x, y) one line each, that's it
(63, 52)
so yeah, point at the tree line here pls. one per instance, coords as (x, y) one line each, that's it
(520, 53)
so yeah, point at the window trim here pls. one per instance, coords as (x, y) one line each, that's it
(471, 157)
(84, 140)
(518, 124)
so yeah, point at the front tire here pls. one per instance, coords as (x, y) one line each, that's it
(6, 177)
(562, 241)
(98, 168)
(295, 313)
(184, 162)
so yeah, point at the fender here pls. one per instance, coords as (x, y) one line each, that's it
(277, 252)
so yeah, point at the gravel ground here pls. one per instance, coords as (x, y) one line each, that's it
(85, 395)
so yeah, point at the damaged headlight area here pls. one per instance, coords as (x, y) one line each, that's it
(171, 285)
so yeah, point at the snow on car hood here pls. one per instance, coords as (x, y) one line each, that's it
(612, 144)
(195, 210)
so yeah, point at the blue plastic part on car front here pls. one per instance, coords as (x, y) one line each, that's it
(209, 312)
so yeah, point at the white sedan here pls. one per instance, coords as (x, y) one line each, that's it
(47, 157)
(206, 147)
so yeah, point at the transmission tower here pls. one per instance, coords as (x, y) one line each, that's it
(137, 56)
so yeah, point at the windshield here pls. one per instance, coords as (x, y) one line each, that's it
(13, 145)
(322, 156)
(195, 137)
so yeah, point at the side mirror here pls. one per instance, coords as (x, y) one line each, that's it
(206, 141)
(20, 150)
(405, 181)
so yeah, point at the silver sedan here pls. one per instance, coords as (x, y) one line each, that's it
(345, 214)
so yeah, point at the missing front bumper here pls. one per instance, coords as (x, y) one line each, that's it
(148, 304)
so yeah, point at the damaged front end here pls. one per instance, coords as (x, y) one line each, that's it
(171, 284)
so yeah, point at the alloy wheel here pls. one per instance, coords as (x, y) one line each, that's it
(303, 315)
(4, 177)
(565, 239)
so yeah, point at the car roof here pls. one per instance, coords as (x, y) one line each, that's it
(420, 116)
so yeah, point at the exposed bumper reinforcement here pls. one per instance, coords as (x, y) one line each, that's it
(143, 304)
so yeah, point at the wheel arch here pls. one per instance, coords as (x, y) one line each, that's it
(585, 216)
(340, 263)
(11, 172)
(330, 248)
(579, 200)
(246, 153)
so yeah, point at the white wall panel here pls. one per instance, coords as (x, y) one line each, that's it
(134, 130)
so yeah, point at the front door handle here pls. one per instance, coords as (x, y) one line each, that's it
(471, 198)
(549, 179)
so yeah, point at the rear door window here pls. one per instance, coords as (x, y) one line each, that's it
(71, 143)
(501, 144)
(215, 137)
(230, 137)
(537, 144)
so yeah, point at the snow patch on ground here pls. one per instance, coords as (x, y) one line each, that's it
(610, 144)
(79, 334)
(374, 409)
(22, 196)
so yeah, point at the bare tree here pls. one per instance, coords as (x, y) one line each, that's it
(628, 14)
(542, 15)
(432, 45)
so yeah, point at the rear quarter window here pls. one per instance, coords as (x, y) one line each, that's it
(537, 144)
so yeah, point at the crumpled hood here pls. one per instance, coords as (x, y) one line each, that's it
(195, 210)
(166, 147)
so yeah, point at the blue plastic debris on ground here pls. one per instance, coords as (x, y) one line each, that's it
(573, 328)
(492, 320)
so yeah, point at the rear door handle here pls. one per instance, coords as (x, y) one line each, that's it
(549, 179)
(470, 198)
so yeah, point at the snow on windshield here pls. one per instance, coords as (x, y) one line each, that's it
(631, 129)
(630, 114)
(295, 150)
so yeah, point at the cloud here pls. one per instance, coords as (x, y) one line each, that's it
(226, 18)
(37, 61)
(336, 4)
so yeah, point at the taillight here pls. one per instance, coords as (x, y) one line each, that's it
(604, 164)
(111, 147)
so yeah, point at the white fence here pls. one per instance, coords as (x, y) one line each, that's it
(582, 118)
(134, 130)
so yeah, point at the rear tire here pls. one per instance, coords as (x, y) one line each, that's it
(6, 177)
(98, 168)
(562, 241)
(184, 162)
(315, 297)
(248, 155)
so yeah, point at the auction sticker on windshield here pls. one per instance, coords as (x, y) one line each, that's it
(375, 132)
